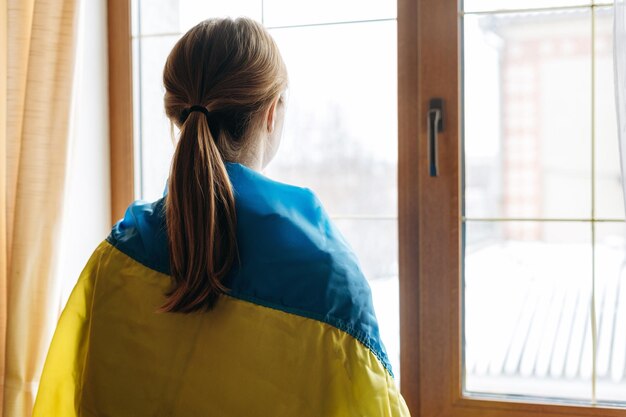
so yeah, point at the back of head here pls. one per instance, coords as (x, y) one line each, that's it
(219, 78)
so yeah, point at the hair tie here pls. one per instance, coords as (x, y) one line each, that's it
(188, 111)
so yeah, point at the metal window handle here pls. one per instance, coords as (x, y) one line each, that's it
(435, 125)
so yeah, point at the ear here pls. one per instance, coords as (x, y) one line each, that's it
(271, 115)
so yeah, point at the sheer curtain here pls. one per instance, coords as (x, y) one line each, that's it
(37, 47)
(620, 79)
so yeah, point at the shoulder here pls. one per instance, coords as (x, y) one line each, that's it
(142, 235)
(283, 223)
(294, 259)
(284, 213)
(266, 195)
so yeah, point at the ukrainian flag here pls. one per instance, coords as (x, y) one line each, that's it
(296, 334)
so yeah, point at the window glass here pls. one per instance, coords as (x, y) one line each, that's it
(543, 205)
(158, 17)
(527, 136)
(527, 309)
(340, 131)
(608, 183)
(192, 11)
(611, 293)
(495, 5)
(290, 13)
(155, 141)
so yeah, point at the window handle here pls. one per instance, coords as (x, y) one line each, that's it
(435, 125)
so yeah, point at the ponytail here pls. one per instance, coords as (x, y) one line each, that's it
(235, 68)
(201, 219)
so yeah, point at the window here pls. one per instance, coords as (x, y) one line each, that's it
(510, 286)
(543, 223)
(521, 235)
(341, 59)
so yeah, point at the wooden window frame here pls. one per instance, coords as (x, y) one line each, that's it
(429, 218)
(121, 146)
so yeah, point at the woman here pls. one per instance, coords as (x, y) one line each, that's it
(233, 295)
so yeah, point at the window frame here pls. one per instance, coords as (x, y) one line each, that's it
(429, 40)
(121, 147)
(429, 261)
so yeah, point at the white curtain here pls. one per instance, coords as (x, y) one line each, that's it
(54, 174)
(619, 57)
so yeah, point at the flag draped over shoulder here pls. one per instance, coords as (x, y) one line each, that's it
(296, 334)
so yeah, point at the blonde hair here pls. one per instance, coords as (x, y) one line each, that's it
(233, 69)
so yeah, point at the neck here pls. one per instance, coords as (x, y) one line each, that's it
(254, 156)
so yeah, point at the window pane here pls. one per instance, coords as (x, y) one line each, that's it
(134, 13)
(289, 12)
(611, 311)
(340, 135)
(156, 141)
(527, 85)
(494, 5)
(527, 309)
(193, 11)
(609, 194)
(158, 16)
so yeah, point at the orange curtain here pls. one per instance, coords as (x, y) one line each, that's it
(38, 46)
